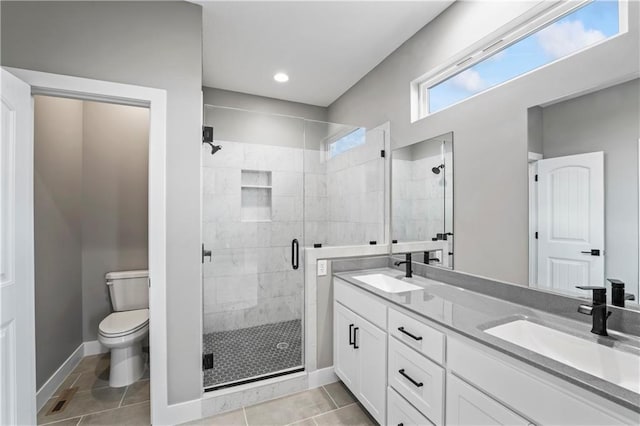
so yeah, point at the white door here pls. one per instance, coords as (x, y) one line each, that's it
(17, 335)
(571, 221)
(371, 348)
(344, 354)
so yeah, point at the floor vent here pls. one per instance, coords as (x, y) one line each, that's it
(63, 400)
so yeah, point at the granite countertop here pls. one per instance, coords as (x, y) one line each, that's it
(469, 314)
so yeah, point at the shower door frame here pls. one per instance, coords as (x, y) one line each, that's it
(293, 372)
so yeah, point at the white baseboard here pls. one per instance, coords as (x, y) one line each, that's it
(321, 377)
(48, 389)
(94, 347)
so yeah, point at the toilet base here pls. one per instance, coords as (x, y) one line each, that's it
(127, 365)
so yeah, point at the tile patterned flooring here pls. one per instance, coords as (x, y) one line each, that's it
(329, 405)
(252, 352)
(95, 403)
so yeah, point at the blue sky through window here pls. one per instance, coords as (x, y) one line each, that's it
(588, 25)
(345, 143)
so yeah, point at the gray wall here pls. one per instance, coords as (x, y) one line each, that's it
(90, 216)
(154, 44)
(58, 232)
(114, 201)
(607, 120)
(490, 203)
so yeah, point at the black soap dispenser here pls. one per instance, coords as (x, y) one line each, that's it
(617, 292)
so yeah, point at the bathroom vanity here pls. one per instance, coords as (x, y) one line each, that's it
(425, 352)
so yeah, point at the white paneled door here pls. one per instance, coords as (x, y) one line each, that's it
(17, 335)
(571, 221)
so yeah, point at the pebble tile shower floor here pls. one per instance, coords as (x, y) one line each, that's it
(251, 352)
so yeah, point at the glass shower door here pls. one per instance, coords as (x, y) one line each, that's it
(253, 289)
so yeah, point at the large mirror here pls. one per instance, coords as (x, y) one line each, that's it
(583, 192)
(422, 200)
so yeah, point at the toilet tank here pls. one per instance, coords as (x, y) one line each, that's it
(129, 290)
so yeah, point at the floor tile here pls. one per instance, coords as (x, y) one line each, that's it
(136, 392)
(83, 403)
(290, 409)
(67, 422)
(66, 384)
(352, 415)
(305, 422)
(131, 415)
(96, 364)
(340, 394)
(89, 381)
(232, 418)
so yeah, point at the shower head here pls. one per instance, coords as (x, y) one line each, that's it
(436, 170)
(214, 148)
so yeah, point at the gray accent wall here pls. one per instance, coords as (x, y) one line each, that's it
(153, 44)
(58, 232)
(490, 200)
(115, 226)
(608, 121)
(91, 168)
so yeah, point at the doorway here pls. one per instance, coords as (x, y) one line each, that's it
(18, 403)
(90, 223)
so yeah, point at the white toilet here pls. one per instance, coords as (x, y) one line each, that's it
(124, 330)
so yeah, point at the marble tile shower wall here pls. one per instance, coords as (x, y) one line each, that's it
(250, 280)
(419, 198)
(344, 195)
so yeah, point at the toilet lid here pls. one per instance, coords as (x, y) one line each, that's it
(123, 323)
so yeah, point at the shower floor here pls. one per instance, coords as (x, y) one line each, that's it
(251, 352)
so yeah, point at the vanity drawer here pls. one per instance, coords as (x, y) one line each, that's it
(418, 335)
(363, 304)
(400, 412)
(418, 379)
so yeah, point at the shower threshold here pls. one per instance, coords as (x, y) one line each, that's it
(255, 379)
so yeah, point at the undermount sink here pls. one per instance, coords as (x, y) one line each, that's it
(615, 366)
(386, 283)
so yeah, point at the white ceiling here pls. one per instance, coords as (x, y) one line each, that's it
(325, 47)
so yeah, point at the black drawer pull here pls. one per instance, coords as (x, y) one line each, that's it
(417, 384)
(355, 338)
(400, 424)
(413, 336)
(351, 334)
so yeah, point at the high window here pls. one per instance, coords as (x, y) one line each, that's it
(564, 31)
(346, 142)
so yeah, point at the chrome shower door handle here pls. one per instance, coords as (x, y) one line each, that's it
(206, 253)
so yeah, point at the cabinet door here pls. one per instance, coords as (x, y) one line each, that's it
(371, 347)
(344, 354)
(468, 406)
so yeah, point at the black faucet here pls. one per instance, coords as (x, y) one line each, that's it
(407, 262)
(597, 310)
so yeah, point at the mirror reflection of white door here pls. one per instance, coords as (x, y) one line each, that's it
(571, 221)
(17, 335)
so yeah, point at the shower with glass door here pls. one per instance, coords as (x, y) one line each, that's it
(265, 183)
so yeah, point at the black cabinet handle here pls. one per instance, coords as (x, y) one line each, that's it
(416, 384)
(351, 342)
(355, 337)
(413, 336)
(592, 252)
(295, 252)
(400, 424)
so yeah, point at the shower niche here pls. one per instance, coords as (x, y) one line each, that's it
(255, 199)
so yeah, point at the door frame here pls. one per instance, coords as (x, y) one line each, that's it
(156, 101)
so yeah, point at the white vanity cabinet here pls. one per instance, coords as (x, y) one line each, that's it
(467, 406)
(407, 370)
(360, 347)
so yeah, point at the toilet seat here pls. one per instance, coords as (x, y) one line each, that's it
(118, 324)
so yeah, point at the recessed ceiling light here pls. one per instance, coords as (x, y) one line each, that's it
(281, 77)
